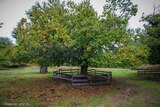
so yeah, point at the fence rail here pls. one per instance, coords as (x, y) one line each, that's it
(92, 78)
(149, 73)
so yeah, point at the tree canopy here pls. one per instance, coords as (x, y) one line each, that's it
(65, 32)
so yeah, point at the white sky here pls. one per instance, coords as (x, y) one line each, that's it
(11, 11)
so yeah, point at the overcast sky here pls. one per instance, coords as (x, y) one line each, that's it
(11, 11)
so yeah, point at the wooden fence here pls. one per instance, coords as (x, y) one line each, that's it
(149, 73)
(92, 78)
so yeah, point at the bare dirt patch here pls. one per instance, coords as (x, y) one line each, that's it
(126, 91)
(49, 91)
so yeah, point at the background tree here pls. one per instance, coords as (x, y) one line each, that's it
(152, 37)
(7, 52)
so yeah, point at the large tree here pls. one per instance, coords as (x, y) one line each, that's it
(85, 30)
(95, 36)
(58, 32)
(42, 37)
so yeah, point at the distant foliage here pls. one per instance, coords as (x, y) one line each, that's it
(152, 37)
(7, 52)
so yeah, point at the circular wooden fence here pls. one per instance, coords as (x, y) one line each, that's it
(92, 78)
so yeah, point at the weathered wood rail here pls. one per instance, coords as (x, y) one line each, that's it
(92, 78)
(149, 73)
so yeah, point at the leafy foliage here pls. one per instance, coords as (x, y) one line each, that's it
(85, 30)
(42, 38)
(7, 52)
(59, 32)
(152, 37)
(120, 43)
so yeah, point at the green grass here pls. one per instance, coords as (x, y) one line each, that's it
(142, 93)
(16, 78)
(146, 88)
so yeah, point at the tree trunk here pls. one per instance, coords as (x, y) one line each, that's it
(43, 69)
(84, 70)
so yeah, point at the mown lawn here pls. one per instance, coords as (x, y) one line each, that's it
(26, 87)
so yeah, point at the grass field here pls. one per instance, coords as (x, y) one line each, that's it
(26, 87)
